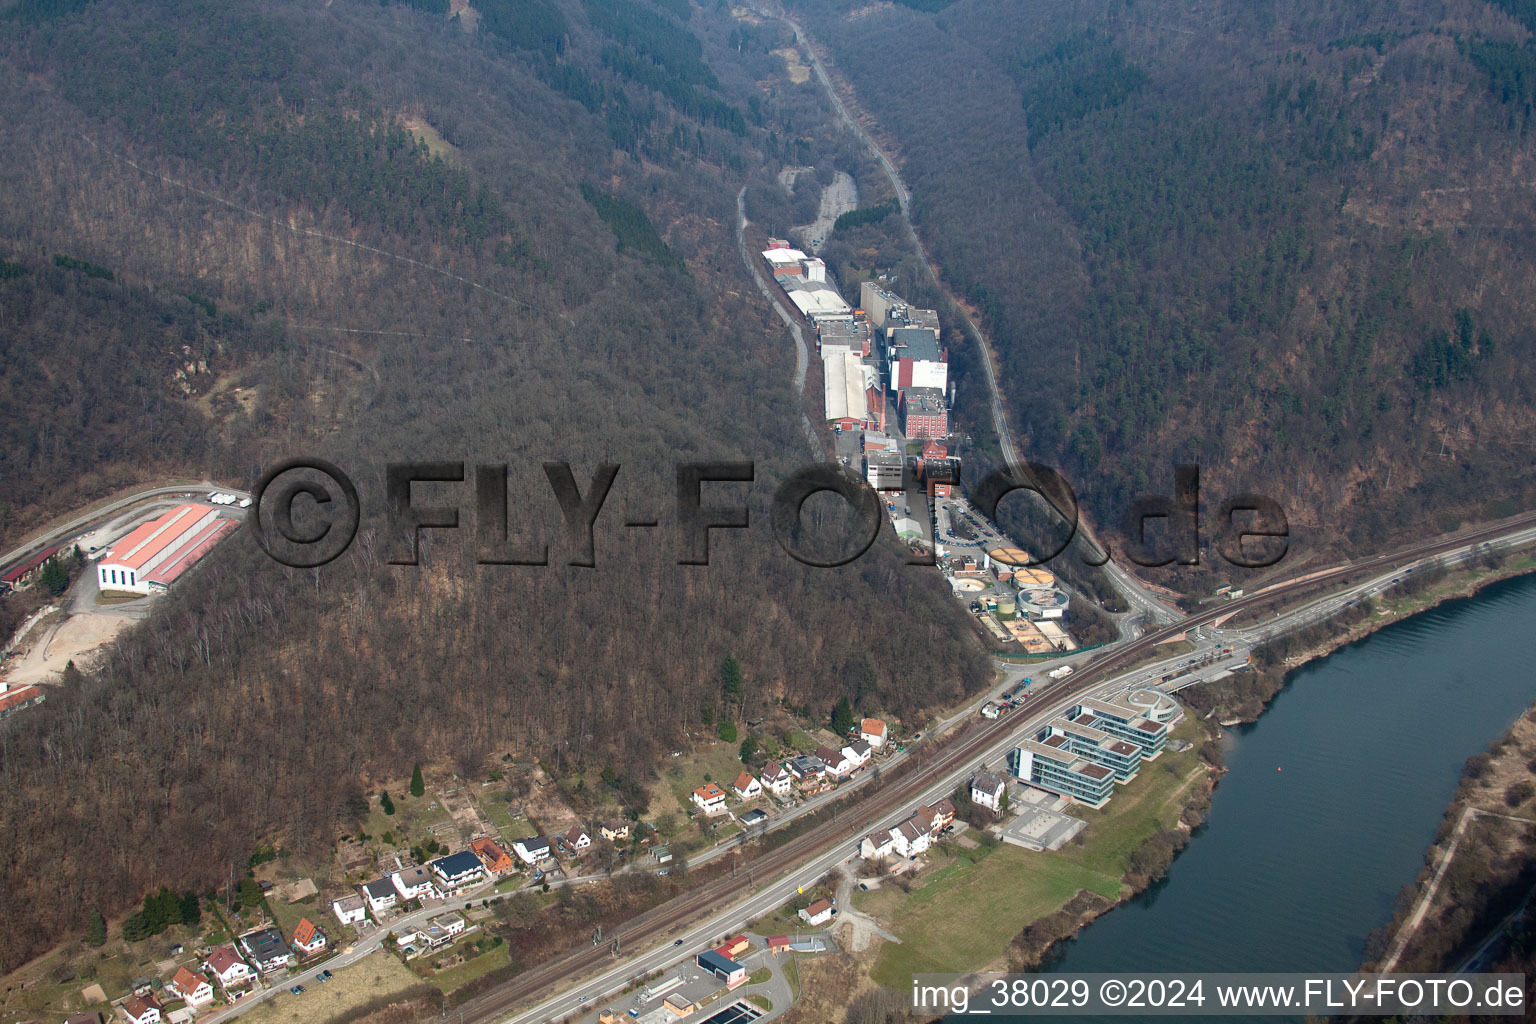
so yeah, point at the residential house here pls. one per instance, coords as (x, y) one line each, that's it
(457, 871)
(225, 964)
(858, 752)
(381, 894)
(307, 938)
(576, 841)
(191, 987)
(817, 913)
(805, 767)
(833, 760)
(914, 839)
(414, 883)
(873, 732)
(710, 798)
(987, 790)
(945, 809)
(266, 948)
(142, 1010)
(349, 909)
(497, 861)
(614, 831)
(747, 787)
(929, 819)
(776, 780)
(879, 844)
(531, 851)
(451, 924)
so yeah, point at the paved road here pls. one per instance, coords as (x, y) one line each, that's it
(1142, 599)
(802, 351)
(78, 525)
(1040, 710)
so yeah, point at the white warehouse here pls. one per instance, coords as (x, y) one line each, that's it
(154, 554)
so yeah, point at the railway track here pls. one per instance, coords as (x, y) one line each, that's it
(894, 795)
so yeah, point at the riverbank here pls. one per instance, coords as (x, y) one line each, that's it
(1480, 869)
(1242, 698)
(963, 912)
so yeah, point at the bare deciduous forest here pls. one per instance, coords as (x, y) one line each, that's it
(1290, 241)
(360, 232)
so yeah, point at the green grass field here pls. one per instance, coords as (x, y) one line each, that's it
(963, 913)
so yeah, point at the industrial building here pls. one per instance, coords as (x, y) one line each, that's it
(924, 416)
(851, 390)
(150, 558)
(915, 359)
(804, 280)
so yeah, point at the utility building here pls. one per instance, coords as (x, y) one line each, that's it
(151, 557)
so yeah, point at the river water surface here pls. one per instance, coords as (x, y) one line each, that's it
(1332, 798)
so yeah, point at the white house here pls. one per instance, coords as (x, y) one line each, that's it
(879, 844)
(532, 850)
(192, 987)
(747, 787)
(142, 1010)
(457, 871)
(381, 894)
(413, 884)
(225, 964)
(349, 909)
(307, 938)
(873, 732)
(987, 790)
(267, 949)
(709, 798)
(576, 841)
(857, 753)
(838, 762)
(776, 780)
(817, 913)
(914, 837)
(451, 924)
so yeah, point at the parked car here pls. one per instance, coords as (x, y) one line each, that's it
(297, 990)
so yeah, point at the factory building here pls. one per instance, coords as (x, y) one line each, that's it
(151, 557)
(915, 359)
(924, 416)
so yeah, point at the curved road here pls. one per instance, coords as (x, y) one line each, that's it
(808, 858)
(1140, 597)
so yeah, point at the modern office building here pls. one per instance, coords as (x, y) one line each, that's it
(1119, 756)
(1124, 721)
(1057, 770)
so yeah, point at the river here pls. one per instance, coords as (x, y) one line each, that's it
(1331, 798)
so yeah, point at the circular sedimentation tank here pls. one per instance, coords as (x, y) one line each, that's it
(1032, 577)
(1009, 556)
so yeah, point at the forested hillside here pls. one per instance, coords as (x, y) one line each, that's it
(375, 233)
(1290, 241)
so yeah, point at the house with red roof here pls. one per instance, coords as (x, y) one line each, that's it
(709, 798)
(142, 1010)
(747, 787)
(191, 987)
(307, 938)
